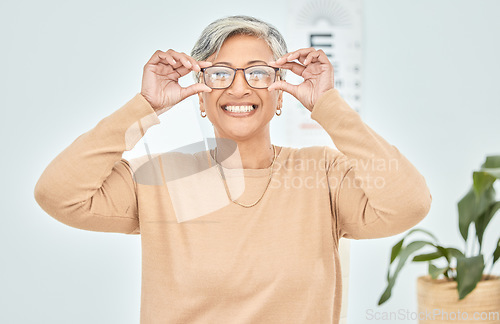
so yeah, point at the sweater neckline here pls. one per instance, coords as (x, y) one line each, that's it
(264, 172)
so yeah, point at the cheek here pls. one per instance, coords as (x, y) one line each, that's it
(210, 100)
(272, 98)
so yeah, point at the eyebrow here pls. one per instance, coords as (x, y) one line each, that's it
(248, 63)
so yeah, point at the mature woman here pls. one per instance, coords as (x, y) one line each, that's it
(246, 232)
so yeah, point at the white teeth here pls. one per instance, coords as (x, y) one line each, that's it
(239, 109)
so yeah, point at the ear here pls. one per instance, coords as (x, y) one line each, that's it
(200, 94)
(200, 98)
(280, 98)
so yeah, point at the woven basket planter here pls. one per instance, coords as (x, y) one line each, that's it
(438, 302)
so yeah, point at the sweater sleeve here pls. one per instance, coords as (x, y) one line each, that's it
(375, 191)
(89, 185)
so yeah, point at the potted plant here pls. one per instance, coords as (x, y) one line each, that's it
(459, 282)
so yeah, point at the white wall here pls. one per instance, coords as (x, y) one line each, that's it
(431, 85)
(430, 82)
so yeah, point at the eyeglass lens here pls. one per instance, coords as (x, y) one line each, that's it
(220, 77)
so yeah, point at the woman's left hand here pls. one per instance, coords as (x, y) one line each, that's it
(316, 70)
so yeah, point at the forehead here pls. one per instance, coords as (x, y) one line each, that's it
(240, 49)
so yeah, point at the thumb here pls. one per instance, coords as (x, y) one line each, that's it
(195, 88)
(285, 86)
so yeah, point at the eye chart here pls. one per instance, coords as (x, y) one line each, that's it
(335, 26)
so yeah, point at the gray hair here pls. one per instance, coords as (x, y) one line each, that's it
(214, 35)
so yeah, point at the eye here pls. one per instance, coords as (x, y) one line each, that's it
(220, 74)
(258, 74)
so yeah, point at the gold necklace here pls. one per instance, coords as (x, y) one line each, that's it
(227, 189)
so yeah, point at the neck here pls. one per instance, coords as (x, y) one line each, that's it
(250, 154)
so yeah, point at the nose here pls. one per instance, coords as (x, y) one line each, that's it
(239, 87)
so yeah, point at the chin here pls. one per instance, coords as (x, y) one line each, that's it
(239, 134)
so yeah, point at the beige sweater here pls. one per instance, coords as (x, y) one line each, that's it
(207, 260)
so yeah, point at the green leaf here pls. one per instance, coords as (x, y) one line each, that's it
(492, 161)
(448, 253)
(496, 254)
(483, 221)
(471, 207)
(427, 257)
(454, 253)
(403, 256)
(423, 231)
(396, 249)
(466, 213)
(434, 271)
(469, 273)
(494, 172)
(444, 252)
(482, 181)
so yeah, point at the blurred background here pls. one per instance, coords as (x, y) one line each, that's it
(430, 87)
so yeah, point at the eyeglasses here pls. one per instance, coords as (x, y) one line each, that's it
(257, 76)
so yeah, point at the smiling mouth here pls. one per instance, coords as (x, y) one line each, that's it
(239, 109)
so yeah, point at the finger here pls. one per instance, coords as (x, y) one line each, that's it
(186, 60)
(195, 63)
(314, 56)
(311, 56)
(169, 59)
(296, 54)
(303, 52)
(192, 89)
(204, 64)
(285, 86)
(302, 57)
(169, 71)
(317, 55)
(292, 66)
(161, 57)
(182, 71)
(161, 68)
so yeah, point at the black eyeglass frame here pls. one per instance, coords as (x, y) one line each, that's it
(236, 71)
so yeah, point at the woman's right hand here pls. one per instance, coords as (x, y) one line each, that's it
(160, 85)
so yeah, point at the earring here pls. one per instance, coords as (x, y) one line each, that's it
(278, 111)
(201, 113)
